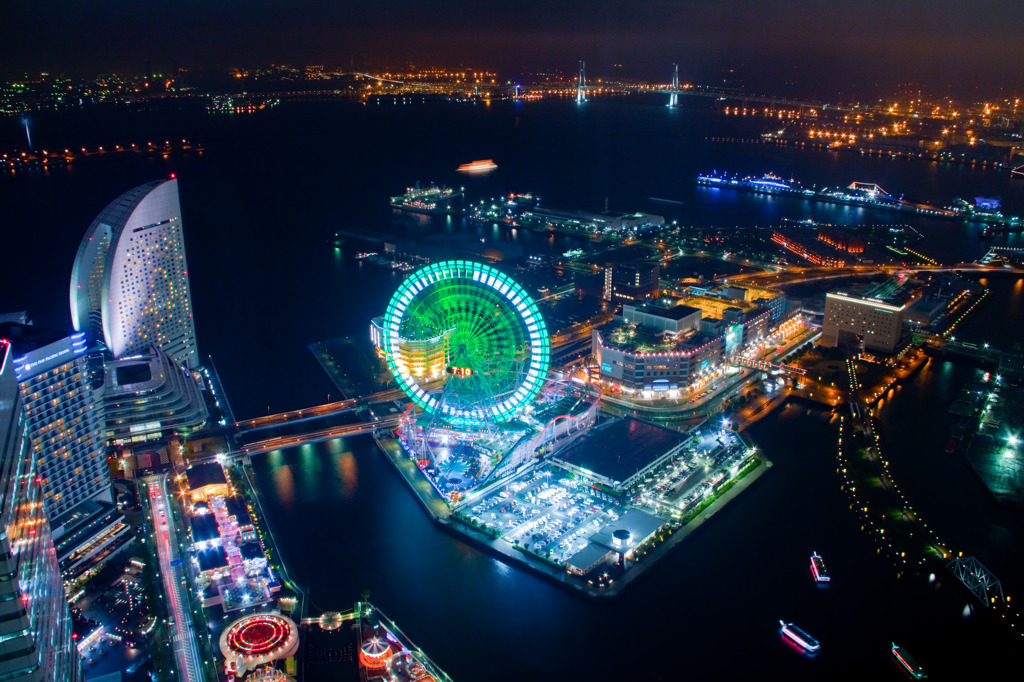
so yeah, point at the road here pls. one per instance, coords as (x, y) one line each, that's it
(184, 639)
(279, 442)
(325, 410)
(793, 275)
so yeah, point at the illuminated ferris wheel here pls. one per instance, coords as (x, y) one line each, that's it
(466, 343)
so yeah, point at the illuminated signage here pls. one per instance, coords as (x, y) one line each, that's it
(47, 357)
(461, 372)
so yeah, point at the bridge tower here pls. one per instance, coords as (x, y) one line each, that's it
(581, 87)
(673, 94)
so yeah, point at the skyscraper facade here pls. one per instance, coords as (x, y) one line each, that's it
(63, 419)
(35, 621)
(129, 283)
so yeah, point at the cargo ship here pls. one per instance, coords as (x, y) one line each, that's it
(907, 662)
(798, 636)
(818, 569)
(480, 166)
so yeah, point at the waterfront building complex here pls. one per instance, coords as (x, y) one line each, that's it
(874, 320)
(147, 396)
(228, 557)
(63, 418)
(36, 641)
(129, 283)
(671, 343)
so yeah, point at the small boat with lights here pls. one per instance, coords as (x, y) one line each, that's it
(799, 637)
(818, 569)
(480, 166)
(907, 662)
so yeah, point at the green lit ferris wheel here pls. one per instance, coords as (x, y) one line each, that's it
(466, 343)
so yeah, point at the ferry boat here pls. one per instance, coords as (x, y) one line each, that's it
(818, 568)
(804, 640)
(908, 662)
(479, 166)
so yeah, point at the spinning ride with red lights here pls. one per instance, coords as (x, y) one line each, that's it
(258, 639)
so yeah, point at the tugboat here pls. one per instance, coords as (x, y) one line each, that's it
(801, 638)
(907, 662)
(818, 569)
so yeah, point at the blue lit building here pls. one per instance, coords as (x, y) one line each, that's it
(35, 621)
(63, 417)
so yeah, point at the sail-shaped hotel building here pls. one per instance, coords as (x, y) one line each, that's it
(129, 284)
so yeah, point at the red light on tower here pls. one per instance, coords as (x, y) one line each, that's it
(173, 175)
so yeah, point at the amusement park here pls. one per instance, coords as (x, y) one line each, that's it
(518, 455)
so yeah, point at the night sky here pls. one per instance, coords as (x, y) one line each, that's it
(824, 46)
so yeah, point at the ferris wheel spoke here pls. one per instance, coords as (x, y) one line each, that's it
(473, 316)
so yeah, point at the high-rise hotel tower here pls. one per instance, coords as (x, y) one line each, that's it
(63, 417)
(35, 622)
(129, 284)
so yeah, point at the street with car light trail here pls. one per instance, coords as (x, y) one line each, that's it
(184, 639)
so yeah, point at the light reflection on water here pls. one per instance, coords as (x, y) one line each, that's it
(348, 473)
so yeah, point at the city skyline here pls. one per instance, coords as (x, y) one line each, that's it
(827, 49)
(527, 361)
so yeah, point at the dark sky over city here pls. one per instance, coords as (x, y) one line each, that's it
(828, 46)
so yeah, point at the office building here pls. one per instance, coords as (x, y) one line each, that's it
(129, 283)
(63, 419)
(35, 622)
(631, 281)
(871, 322)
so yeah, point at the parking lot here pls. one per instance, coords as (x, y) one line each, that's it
(685, 481)
(553, 514)
(547, 512)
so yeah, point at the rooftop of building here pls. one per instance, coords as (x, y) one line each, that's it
(636, 338)
(893, 291)
(212, 559)
(588, 556)
(237, 508)
(754, 293)
(81, 523)
(251, 550)
(639, 524)
(713, 307)
(201, 475)
(26, 338)
(669, 312)
(204, 527)
(619, 449)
